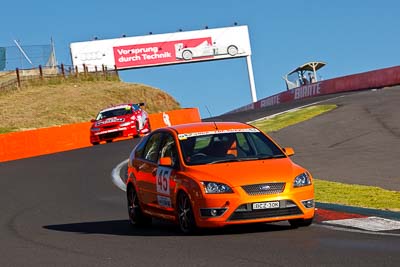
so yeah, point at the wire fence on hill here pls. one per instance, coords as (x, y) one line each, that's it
(19, 78)
(24, 65)
(26, 56)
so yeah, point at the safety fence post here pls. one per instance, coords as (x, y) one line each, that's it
(62, 71)
(18, 78)
(116, 71)
(41, 72)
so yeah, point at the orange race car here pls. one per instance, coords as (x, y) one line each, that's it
(214, 174)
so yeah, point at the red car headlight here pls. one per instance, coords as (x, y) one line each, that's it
(125, 124)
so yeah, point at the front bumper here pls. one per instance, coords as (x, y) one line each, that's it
(113, 133)
(237, 208)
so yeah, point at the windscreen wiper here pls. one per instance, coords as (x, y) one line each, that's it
(225, 160)
(248, 158)
(279, 156)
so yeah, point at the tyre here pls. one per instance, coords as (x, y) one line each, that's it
(232, 50)
(300, 222)
(95, 143)
(148, 125)
(136, 216)
(187, 223)
(187, 55)
(137, 135)
(109, 141)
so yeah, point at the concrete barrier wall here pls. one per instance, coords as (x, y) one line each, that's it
(43, 141)
(18, 145)
(361, 81)
(174, 117)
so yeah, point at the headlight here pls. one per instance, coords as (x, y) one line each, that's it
(95, 129)
(125, 124)
(216, 188)
(302, 180)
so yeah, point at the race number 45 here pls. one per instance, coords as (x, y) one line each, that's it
(163, 176)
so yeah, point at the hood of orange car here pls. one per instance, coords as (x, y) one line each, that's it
(247, 172)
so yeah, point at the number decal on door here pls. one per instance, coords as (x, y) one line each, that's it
(163, 175)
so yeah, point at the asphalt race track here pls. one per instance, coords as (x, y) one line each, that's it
(63, 209)
(358, 143)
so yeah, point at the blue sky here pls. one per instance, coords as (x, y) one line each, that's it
(351, 36)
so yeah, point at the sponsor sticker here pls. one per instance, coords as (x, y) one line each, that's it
(164, 201)
(163, 180)
(110, 121)
(187, 135)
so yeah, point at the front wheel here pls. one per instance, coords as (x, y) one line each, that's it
(187, 223)
(148, 125)
(136, 216)
(137, 135)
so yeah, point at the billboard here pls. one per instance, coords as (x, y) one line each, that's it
(162, 49)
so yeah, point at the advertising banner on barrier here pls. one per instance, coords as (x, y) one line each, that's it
(162, 49)
(361, 81)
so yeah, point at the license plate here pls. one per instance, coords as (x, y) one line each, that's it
(266, 205)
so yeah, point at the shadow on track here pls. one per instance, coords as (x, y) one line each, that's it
(159, 228)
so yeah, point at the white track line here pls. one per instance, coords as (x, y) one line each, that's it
(337, 228)
(115, 175)
(373, 223)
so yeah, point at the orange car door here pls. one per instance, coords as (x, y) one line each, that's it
(146, 171)
(165, 176)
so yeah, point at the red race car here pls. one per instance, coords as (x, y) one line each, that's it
(119, 121)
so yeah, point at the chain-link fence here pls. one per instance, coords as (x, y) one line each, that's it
(25, 57)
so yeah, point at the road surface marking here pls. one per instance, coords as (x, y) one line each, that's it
(374, 224)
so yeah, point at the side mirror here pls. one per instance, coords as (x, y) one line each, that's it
(92, 120)
(166, 161)
(289, 151)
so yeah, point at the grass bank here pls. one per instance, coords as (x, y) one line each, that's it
(57, 103)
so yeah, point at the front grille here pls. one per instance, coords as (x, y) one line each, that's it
(264, 189)
(110, 135)
(259, 214)
(108, 126)
(245, 211)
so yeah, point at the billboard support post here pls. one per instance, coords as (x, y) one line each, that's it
(251, 79)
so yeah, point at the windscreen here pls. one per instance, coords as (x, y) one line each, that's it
(228, 146)
(114, 113)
